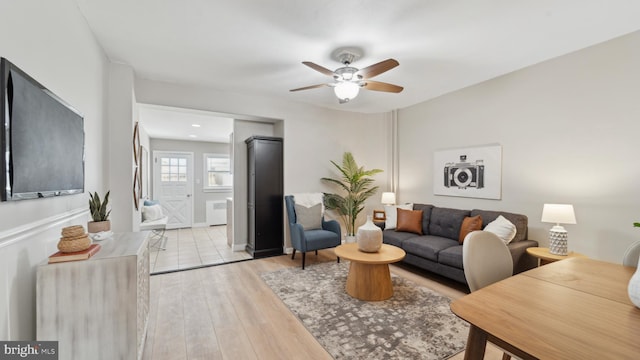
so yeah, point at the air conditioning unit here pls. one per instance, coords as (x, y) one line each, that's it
(216, 212)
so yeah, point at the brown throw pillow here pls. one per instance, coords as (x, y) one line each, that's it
(409, 221)
(469, 224)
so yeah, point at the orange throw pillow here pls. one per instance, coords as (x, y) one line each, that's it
(469, 224)
(409, 221)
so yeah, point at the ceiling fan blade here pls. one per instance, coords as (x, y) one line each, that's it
(318, 68)
(377, 69)
(309, 87)
(380, 86)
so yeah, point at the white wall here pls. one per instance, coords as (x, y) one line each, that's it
(51, 42)
(569, 130)
(122, 112)
(312, 136)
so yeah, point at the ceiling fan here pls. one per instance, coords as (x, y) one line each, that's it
(348, 80)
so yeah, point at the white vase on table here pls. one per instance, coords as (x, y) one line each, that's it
(369, 236)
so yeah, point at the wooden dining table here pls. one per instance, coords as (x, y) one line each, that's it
(571, 309)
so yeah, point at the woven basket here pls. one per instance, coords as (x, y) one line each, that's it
(74, 245)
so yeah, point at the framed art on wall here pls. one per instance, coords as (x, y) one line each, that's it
(469, 172)
(136, 189)
(144, 172)
(379, 215)
(136, 144)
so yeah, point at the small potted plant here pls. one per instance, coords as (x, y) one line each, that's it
(99, 213)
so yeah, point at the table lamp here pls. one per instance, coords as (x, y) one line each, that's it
(558, 214)
(388, 198)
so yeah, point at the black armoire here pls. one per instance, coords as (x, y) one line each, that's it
(265, 196)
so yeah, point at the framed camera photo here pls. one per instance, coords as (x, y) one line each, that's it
(378, 215)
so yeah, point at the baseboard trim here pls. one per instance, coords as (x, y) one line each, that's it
(14, 235)
(239, 247)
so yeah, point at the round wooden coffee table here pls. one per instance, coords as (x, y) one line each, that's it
(369, 278)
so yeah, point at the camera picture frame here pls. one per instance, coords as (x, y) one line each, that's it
(474, 171)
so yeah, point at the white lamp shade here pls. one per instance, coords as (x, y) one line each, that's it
(558, 214)
(346, 90)
(388, 198)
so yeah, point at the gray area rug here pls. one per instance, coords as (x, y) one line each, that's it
(416, 323)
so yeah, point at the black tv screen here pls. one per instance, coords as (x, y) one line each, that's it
(42, 138)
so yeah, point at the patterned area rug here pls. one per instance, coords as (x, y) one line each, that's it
(416, 323)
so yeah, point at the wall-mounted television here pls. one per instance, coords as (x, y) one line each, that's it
(42, 139)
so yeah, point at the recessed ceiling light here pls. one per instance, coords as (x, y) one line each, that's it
(195, 125)
(192, 136)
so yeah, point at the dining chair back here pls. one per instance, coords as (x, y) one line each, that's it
(485, 259)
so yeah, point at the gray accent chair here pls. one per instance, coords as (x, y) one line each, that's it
(310, 240)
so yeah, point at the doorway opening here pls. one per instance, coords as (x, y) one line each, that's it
(204, 156)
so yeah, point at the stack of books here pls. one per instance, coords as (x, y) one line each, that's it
(74, 256)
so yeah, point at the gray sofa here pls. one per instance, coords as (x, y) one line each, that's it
(439, 251)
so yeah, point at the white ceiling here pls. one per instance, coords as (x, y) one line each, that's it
(163, 122)
(257, 46)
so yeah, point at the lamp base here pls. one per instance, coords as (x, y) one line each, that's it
(558, 241)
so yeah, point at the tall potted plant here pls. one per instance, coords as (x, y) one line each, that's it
(99, 213)
(357, 184)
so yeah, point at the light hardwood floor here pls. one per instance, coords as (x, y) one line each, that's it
(228, 312)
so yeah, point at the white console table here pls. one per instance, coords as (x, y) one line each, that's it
(97, 308)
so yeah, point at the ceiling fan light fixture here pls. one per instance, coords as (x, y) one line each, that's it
(346, 90)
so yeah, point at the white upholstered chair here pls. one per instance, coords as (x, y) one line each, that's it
(631, 255)
(486, 260)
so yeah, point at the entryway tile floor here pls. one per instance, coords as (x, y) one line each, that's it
(193, 248)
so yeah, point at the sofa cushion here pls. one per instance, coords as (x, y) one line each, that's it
(469, 224)
(309, 217)
(396, 238)
(391, 213)
(446, 222)
(451, 256)
(426, 216)
(519, 220)
(428, 246)
(409, 221)
(503, 228)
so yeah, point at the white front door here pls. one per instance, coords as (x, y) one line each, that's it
(173, 186)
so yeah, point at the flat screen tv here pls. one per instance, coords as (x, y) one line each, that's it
(42, 139)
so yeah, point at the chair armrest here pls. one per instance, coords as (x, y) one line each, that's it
(521, 260)
(332, 226)
(297, 237)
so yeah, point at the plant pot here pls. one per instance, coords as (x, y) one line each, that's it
(350, 239)
(98, 226)
(369, 237)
